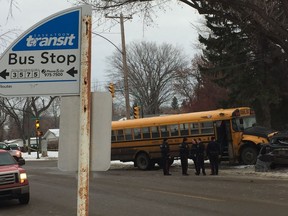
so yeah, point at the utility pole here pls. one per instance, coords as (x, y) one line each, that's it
(124, 61)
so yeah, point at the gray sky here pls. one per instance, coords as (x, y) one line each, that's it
(176, 26)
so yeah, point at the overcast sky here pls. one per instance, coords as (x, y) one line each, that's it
(176, 26)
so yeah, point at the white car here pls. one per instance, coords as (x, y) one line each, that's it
(16, 153)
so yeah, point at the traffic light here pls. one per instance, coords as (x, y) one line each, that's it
(112, 89)
(136, 112)
(37, 125)
(39, 133)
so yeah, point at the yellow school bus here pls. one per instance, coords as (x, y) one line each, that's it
(139, 140)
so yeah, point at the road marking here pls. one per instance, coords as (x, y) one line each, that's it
(185, 195)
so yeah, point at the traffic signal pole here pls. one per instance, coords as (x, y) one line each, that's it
(37, 130)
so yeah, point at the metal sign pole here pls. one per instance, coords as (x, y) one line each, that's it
(85, 116)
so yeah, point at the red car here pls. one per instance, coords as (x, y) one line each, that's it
(13, 178)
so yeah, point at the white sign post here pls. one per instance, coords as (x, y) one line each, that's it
(85, 116)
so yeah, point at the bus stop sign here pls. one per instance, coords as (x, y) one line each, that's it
(45, 60)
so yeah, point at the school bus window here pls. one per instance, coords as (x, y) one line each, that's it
(207, 128)
(128, 134)
(120, 135)
(184, 129)
(113, 135)
(194, 128)
(174, 130)
(164, 131)
(155, 132)
(137, 133)
(240, 124)
(146, 132)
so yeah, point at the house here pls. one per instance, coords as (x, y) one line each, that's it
(49, 141)
(51, 135)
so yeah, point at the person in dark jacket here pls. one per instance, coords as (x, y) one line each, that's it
(184, 154)
(165, 153)
(194, 156)
(201, 157)
(213, 152)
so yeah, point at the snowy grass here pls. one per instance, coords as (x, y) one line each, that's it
(33, 156)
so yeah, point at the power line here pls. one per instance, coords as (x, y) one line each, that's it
(108, 41)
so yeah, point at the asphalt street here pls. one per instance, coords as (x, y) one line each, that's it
(128, 191)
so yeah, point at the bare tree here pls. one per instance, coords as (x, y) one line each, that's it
(187, 81)
(3, 117)
(22, 110)
(40, 105)
(198, 90)
(15, 109)
(6, 36)
(152, 71)
(54, 112)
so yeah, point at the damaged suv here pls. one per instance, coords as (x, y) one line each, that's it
(273, 154)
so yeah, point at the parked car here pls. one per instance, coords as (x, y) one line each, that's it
(273, 154)
(17, 154)
(33, 146)
(14, 146)
(13, 179)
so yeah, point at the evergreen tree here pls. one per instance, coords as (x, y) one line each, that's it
(174, 104)
(239, 63)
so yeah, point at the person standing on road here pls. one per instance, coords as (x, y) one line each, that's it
(184, 154)
(201, 157)
(194, 156)
(165, 153)
(213, 152)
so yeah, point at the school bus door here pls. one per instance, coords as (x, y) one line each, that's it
(224, 138)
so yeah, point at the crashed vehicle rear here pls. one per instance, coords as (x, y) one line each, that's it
(273, 154)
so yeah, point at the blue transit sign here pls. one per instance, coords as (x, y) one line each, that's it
(46, 59)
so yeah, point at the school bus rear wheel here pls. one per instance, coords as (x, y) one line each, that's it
(143, 161)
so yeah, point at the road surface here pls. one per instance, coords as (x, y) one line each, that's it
(130, 192)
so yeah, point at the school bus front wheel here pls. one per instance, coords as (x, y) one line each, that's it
(249, 155)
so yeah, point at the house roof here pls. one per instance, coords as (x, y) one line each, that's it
(51, 133)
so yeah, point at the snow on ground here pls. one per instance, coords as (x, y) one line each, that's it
(33, 156)
(225, 170)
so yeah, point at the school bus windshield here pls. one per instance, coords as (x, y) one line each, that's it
(241, 123)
